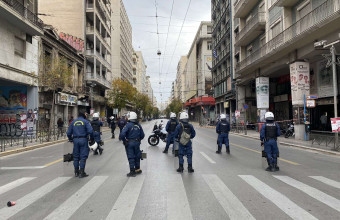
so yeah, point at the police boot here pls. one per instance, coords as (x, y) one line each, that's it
(95, 152)
(190, 169)
(276, 168)
(76, 172)
(100, 150)
(218, 150)
(138, 171)
(269, 168)
(228, 150)
(180, 169)
(82, 173)
(113, 136)
(132, 173)
(165, 151)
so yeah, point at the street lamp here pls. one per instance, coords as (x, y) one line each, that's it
(331, 61)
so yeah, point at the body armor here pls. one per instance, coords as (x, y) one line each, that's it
(173, 125)
(224, 127)
(95, 125)
(271, 131)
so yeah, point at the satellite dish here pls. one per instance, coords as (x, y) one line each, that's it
(159, 53)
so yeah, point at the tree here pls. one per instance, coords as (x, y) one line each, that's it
(122, 93)
(175, 106)
(142, 103)
(155, 112)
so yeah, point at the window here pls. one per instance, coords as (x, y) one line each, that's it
(209, 31)
(271, 3)
(275, 28)
(262, 41)
(19, 47)
(209, 45)
(305, 20)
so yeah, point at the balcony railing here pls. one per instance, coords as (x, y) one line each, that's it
(24, 12)
(221, 55)
(255, 23)
(99, 57)
(98, 78)
(330, 8)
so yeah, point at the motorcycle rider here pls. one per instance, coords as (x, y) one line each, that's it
(77, 133)
(131, 135)
(184, 133)
(96, 124)
(269, 133)
(113, 126)
(170, 128)
(223, 128)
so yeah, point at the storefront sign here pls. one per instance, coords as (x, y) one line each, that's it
(335, 122)
(262, 92)
(310, 103)
(226, 104)
(299, 75)
(312, 97)
(66, 99)
(237, 114)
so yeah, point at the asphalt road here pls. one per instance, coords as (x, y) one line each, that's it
(223, 186)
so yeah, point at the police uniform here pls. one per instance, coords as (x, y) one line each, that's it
(223, 128)
(185, 150)
(131, 135)
(121, 124)
(113, 127)
(170, 128)
(269, 133)
(96, 124)
(78, 132)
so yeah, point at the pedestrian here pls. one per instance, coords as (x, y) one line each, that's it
(121, 123)
(96, 124)
(170, 128)
(60, 124)
(184, 133)
(78, 133)
(70, 121)
(268, 135)
(131, 135)
(222, 129)
(323, 120)
(112, 126)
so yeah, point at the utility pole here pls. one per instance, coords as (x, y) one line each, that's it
(335, 90)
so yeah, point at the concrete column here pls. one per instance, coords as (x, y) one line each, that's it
(66, 113)
(241, 96)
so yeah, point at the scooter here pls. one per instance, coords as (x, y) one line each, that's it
(290, 130)
(157, 134)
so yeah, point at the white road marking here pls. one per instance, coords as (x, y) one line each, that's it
(32, 197)
(177, 200)
(72, 204)
(207, 157)
(233, 207)
(14, 184)
(22, 168)
(315, 193)
(327, 181)
(127, 200)
(281, 201)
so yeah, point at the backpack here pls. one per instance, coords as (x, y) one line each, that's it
(185, 135)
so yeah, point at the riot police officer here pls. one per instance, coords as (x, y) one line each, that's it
(113, 126)
(96, 124)
(170, 128)
(223, 128)
(121, 123)
(184, 133)
(78, 132)
(131, 135)
(269, 133)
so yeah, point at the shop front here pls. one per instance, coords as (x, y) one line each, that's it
(201, 109)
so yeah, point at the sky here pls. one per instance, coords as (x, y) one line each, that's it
(174, 41)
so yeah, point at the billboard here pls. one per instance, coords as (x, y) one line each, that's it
(262, 92)
(300, 81)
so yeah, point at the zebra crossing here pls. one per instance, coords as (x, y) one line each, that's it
(177, 202)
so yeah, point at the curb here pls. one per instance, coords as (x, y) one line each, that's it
(296, 146)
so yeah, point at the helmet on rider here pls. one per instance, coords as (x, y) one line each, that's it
(184, 117)
(269, 116)
(223, 117)
(95, 116)
(132, 116)
(172, 115)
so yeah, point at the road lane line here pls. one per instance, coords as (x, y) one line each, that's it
(22, 168)
(56, 161)
(177, 200)
(286, 205)
(327, 181)
(127, 200)
(312, 192)
(207, 157)
(71, 205)
(14, 184)
(32, 197)
(230, 203)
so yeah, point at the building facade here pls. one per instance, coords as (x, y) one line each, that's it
(87, 25)
(140, 73)
(180, 78)
(274, 41)
(19, 31)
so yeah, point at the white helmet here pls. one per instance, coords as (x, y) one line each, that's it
(112, 117)
(93, 146)
(132, 116)
(172, 115)
(223, 116)
(184, 116)
(269, 116)
(96, 115)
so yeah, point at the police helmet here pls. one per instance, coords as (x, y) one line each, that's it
(132, 116)
(223, 117)
(269, 116)
(93, 145)
(172, 115)
(184, 117)
(112, 117)
(95, 115)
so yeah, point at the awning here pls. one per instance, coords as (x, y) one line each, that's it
(200, 101)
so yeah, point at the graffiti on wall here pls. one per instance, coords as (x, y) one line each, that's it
(73, 41)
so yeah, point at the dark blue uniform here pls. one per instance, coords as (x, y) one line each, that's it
(78, 131)
(132, 134)
(223, 128)
(96, 124)
(121, 124)
(185, 150)
(113, 127)
(170, 128)
(269, 133)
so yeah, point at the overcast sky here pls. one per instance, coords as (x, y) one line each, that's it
(142, 15)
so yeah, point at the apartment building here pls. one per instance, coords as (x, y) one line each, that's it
(19, 31)
(180, 78)
(274, 49)
(149, 90)
(122, 49)
(222, 64)
(87, 25)
(139, 74)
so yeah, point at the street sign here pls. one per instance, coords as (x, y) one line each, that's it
(335, 122)
(115, 111)
(237, 114)
(312, 97)
(91, 111)
(310, 103)
(245, 106)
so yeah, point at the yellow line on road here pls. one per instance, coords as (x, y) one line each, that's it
(56, 161)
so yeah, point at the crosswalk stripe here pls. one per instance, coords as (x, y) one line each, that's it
(22, 168)
(315, 193)
(207, 157)
(233, 207)
(127, 200)
(177, 201)
(327, 181)
(32, 197)
(14, 184)
(71, 205)
(281, 201)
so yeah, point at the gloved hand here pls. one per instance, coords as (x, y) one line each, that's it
(70, 140)
(262, 143)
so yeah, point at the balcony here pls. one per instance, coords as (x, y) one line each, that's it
(286, 3)
(21, 17)
(220, 14)
(221, 55)
(251, 30)
(98, 56)
(96, 78)
(318, 23)
(90, 30)
(243, 7)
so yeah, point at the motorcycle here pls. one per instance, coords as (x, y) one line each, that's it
(290, 130)
(156, 135)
